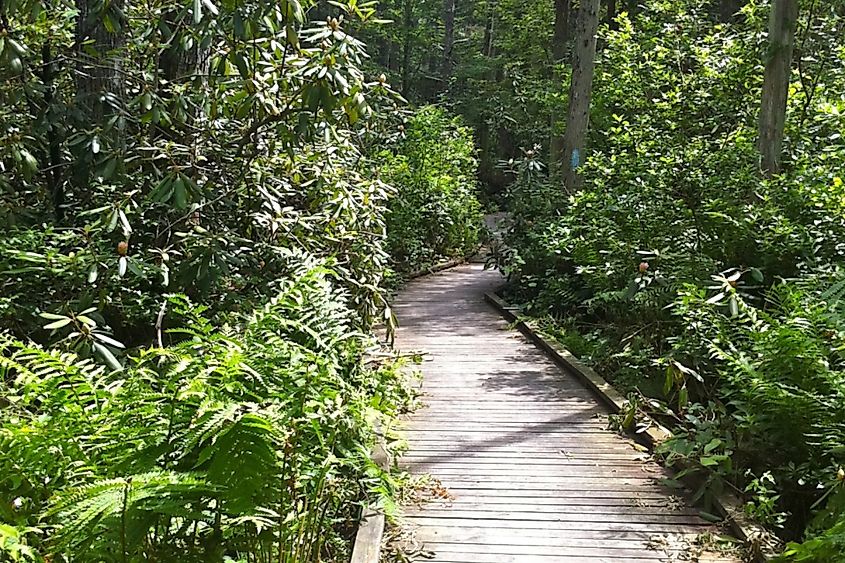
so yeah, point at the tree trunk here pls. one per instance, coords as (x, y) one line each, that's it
(383, 49)
(611, 14)
(99, 37)
(448, 40)
(175, 62)
(782, 24)
(487, 46)
(55, 180)
(560, 43)
(561, 34)
(580, 93)
(407, 46)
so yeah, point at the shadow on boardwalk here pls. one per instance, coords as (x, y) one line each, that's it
(532, 472)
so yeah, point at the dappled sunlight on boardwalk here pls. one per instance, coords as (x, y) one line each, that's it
(529, 470)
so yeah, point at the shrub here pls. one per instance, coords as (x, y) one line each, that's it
(245, 441)
(435, 213)
(692, 282)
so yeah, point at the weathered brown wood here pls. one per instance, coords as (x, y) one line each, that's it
(521, 446)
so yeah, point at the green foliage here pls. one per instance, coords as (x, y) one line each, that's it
(829, 525)
(248, 440)
(711, 294)
(222, 137)
(436, 213)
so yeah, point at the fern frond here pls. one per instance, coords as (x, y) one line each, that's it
(79, 512)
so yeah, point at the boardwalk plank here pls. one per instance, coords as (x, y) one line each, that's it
(522, 449)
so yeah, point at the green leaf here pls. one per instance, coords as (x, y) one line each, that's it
(107, 356)
(58, 324)
(51, 316)
(180, 194)
(669, 381)
(108, 340)
(712, 445)
(709, 517)
(124, 221)
(108, 168)
(112, 221)
(211, 7)
(716, 298)
(87, 320)
(709, 461)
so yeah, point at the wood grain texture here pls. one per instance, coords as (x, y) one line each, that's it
(523, 465)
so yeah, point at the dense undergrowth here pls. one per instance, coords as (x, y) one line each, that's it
(436, 213)
(712, 296)
(248, 442)
(199, 205)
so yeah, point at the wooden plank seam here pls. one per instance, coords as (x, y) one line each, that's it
(728, 504)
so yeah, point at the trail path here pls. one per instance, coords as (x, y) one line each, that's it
(521, 448)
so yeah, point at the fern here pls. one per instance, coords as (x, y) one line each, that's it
(112, 506)
(243, 440)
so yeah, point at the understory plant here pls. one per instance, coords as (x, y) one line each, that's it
(243, 442)
(436, 213)
(709, 293)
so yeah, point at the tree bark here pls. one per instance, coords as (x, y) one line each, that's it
(560, 44)
(611, 14)
(55, 180)
(782, 24)
(175, 62)
(99, 38)
(487, 46)
(561, 34)
(407, 46)
(580, 93)
(448, 40)
(383, 52)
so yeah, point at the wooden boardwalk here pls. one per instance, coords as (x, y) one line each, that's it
(530, 472)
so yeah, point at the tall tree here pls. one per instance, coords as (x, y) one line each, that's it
(407, 46)
(99, 37)
(580, 92)
(782, 24)
(560, 42)
(489, 29)
(611, 14)
(561, 31)
(448, 39)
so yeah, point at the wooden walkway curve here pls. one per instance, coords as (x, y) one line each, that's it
(529, 470)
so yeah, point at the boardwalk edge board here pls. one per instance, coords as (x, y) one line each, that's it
(368, 539)
(728, 504)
